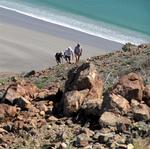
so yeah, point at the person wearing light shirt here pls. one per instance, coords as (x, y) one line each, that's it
(68, 55)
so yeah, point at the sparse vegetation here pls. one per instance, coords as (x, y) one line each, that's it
(43, 133)
(41, 83)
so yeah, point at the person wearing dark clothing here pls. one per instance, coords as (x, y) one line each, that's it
(77, 52)
(59, 57)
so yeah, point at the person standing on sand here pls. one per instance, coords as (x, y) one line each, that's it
(68, 55)
(77, 52)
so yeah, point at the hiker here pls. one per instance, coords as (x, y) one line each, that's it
(68, 55)
(59, 57)
(77, 52)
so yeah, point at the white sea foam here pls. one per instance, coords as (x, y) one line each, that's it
(100, 29)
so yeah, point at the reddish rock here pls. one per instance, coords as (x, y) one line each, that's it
(20, 89)
(119, 104)
(73, 101)
(49, 93)
(96, 91)
(141, 112)
(146, 95)
(111, 119)
(31, 108)
(7, 111)
(130, 87)
(41, 106)
(85, 78)
(27, 114)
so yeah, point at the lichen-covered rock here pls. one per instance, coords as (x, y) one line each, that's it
(111, 119)
(92, 107)
(73, 101)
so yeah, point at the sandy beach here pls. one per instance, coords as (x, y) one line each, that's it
(28, 44)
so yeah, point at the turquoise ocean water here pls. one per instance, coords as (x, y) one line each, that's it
(118, 20)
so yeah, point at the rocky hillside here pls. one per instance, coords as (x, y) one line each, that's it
(98, 104)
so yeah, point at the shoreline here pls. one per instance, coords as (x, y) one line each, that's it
(18, 30)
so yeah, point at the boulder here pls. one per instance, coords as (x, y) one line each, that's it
(7, 111)
(130, 86)
(119, 104)
(146, 95)
(92, 107)
(111, 119)
(73, 101)
(141, 112)
(84, 87)
(86, 77)
(20, 89)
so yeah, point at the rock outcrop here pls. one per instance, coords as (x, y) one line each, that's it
(73, 101)
(119, 104)
(19, 90)
(85, 77)
(86, 89)
(130, 86)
